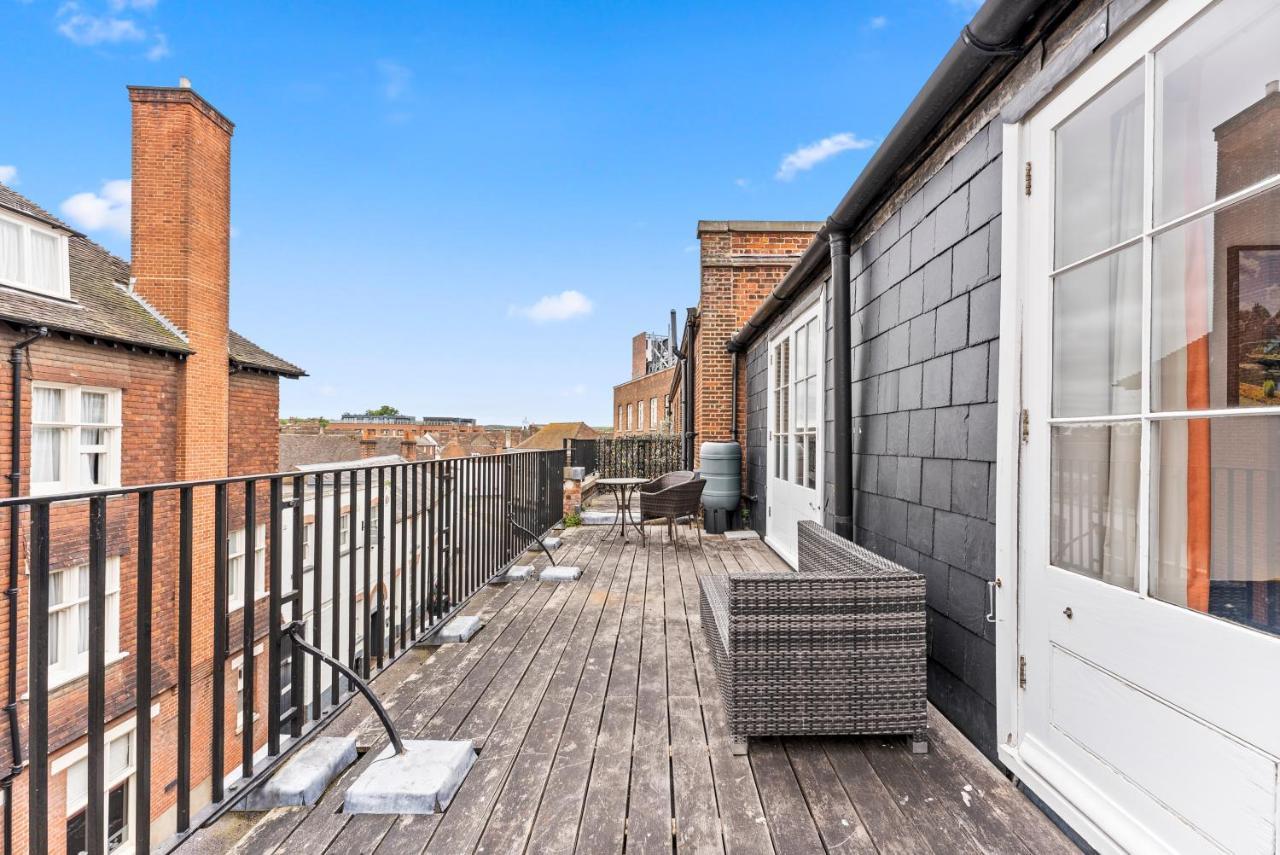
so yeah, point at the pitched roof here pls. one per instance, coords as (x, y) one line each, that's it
(248, 355)
(104, 306)
(298, 449)
(553, 435)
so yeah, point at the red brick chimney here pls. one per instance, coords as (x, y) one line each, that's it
(181, 253)
(639, 355)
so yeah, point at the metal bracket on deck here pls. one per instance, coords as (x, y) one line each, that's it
(550, 557)
(296, 629)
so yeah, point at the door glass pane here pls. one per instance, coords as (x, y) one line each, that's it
(1216, 313)
(1093, 501)
(1098, 202)
(1215, 503)
(1097, 337)
(1217, 110)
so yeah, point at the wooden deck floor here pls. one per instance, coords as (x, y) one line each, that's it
(600, 729)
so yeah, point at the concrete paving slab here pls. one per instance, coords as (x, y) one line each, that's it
(744, 534)
(420, 781)
(599, 517)
(460, 629)
(560, 574)
(552, 542)
(306, 775)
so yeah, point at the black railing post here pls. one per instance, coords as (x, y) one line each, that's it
(220, 582)
(38, 684)
(317, 590)
(247, 609)
(297, 693)
(96, 824)
(142, 676)
(368, 571)
(276, 589)
(185, 521)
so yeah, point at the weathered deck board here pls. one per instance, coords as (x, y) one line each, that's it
(600, 729)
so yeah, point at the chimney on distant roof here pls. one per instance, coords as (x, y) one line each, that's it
(181, 253)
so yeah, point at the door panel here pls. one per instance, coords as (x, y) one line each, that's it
(1149, 566)
(795, 428)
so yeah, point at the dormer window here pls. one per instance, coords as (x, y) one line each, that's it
(33, 257)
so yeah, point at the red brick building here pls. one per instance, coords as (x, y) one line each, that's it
(642, 404)
(741, 262)
(128, 374)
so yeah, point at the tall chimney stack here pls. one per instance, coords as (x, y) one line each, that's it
(181, 252)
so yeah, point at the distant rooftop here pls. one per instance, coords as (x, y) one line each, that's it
(405, 420)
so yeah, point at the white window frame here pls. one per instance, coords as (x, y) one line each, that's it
(70, 447)
(344, 532)
(237, 665)
(62, 288)
(653, 413)
(308, 536)
(235, 578)
(78, 801)
(72, 665)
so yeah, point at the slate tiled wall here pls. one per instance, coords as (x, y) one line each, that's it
(926, 320)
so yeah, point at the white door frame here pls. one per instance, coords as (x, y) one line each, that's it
(816, 308)
(1075, 800)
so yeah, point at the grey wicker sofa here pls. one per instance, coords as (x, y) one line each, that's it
(837, 648)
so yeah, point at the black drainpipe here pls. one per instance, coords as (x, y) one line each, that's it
(11, 593)
(842, 382)
(690, 365)
(733, 394)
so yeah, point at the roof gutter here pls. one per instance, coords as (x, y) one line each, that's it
(998, 30)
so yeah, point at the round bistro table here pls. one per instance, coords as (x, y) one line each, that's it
(624, 490)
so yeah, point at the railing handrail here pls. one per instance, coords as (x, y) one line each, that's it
(134, 489)
(444, 528)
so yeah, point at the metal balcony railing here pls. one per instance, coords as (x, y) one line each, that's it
(372, 559)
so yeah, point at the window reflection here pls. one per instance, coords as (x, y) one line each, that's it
(1209, 79)
(1093, 507)
(1216, 312)
(1214, 513)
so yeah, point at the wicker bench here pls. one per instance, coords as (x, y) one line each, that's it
(837, 648)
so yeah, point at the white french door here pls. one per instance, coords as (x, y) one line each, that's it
(795, 430)
(1149, 517)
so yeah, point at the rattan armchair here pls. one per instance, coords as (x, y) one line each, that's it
(673, 496)
(837, 648)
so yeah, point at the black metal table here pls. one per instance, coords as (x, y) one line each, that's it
(624, 490)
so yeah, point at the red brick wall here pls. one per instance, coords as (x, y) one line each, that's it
(148, 442)
(741, 264)
(253, 436)
(638, 393)
(639, 349)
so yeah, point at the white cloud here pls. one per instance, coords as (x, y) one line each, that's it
(879, 22)
(395, 79)
(84, 28)
(8, 174)
(742, 182)
(159, 49)
(87, 27)
(808, 156)
(555, 307)
(107, 210)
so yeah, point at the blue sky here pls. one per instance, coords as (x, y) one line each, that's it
(416, 186)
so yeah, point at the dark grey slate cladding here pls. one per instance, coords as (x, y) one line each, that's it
(757, 371)
(926, 294)
(925, 442)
